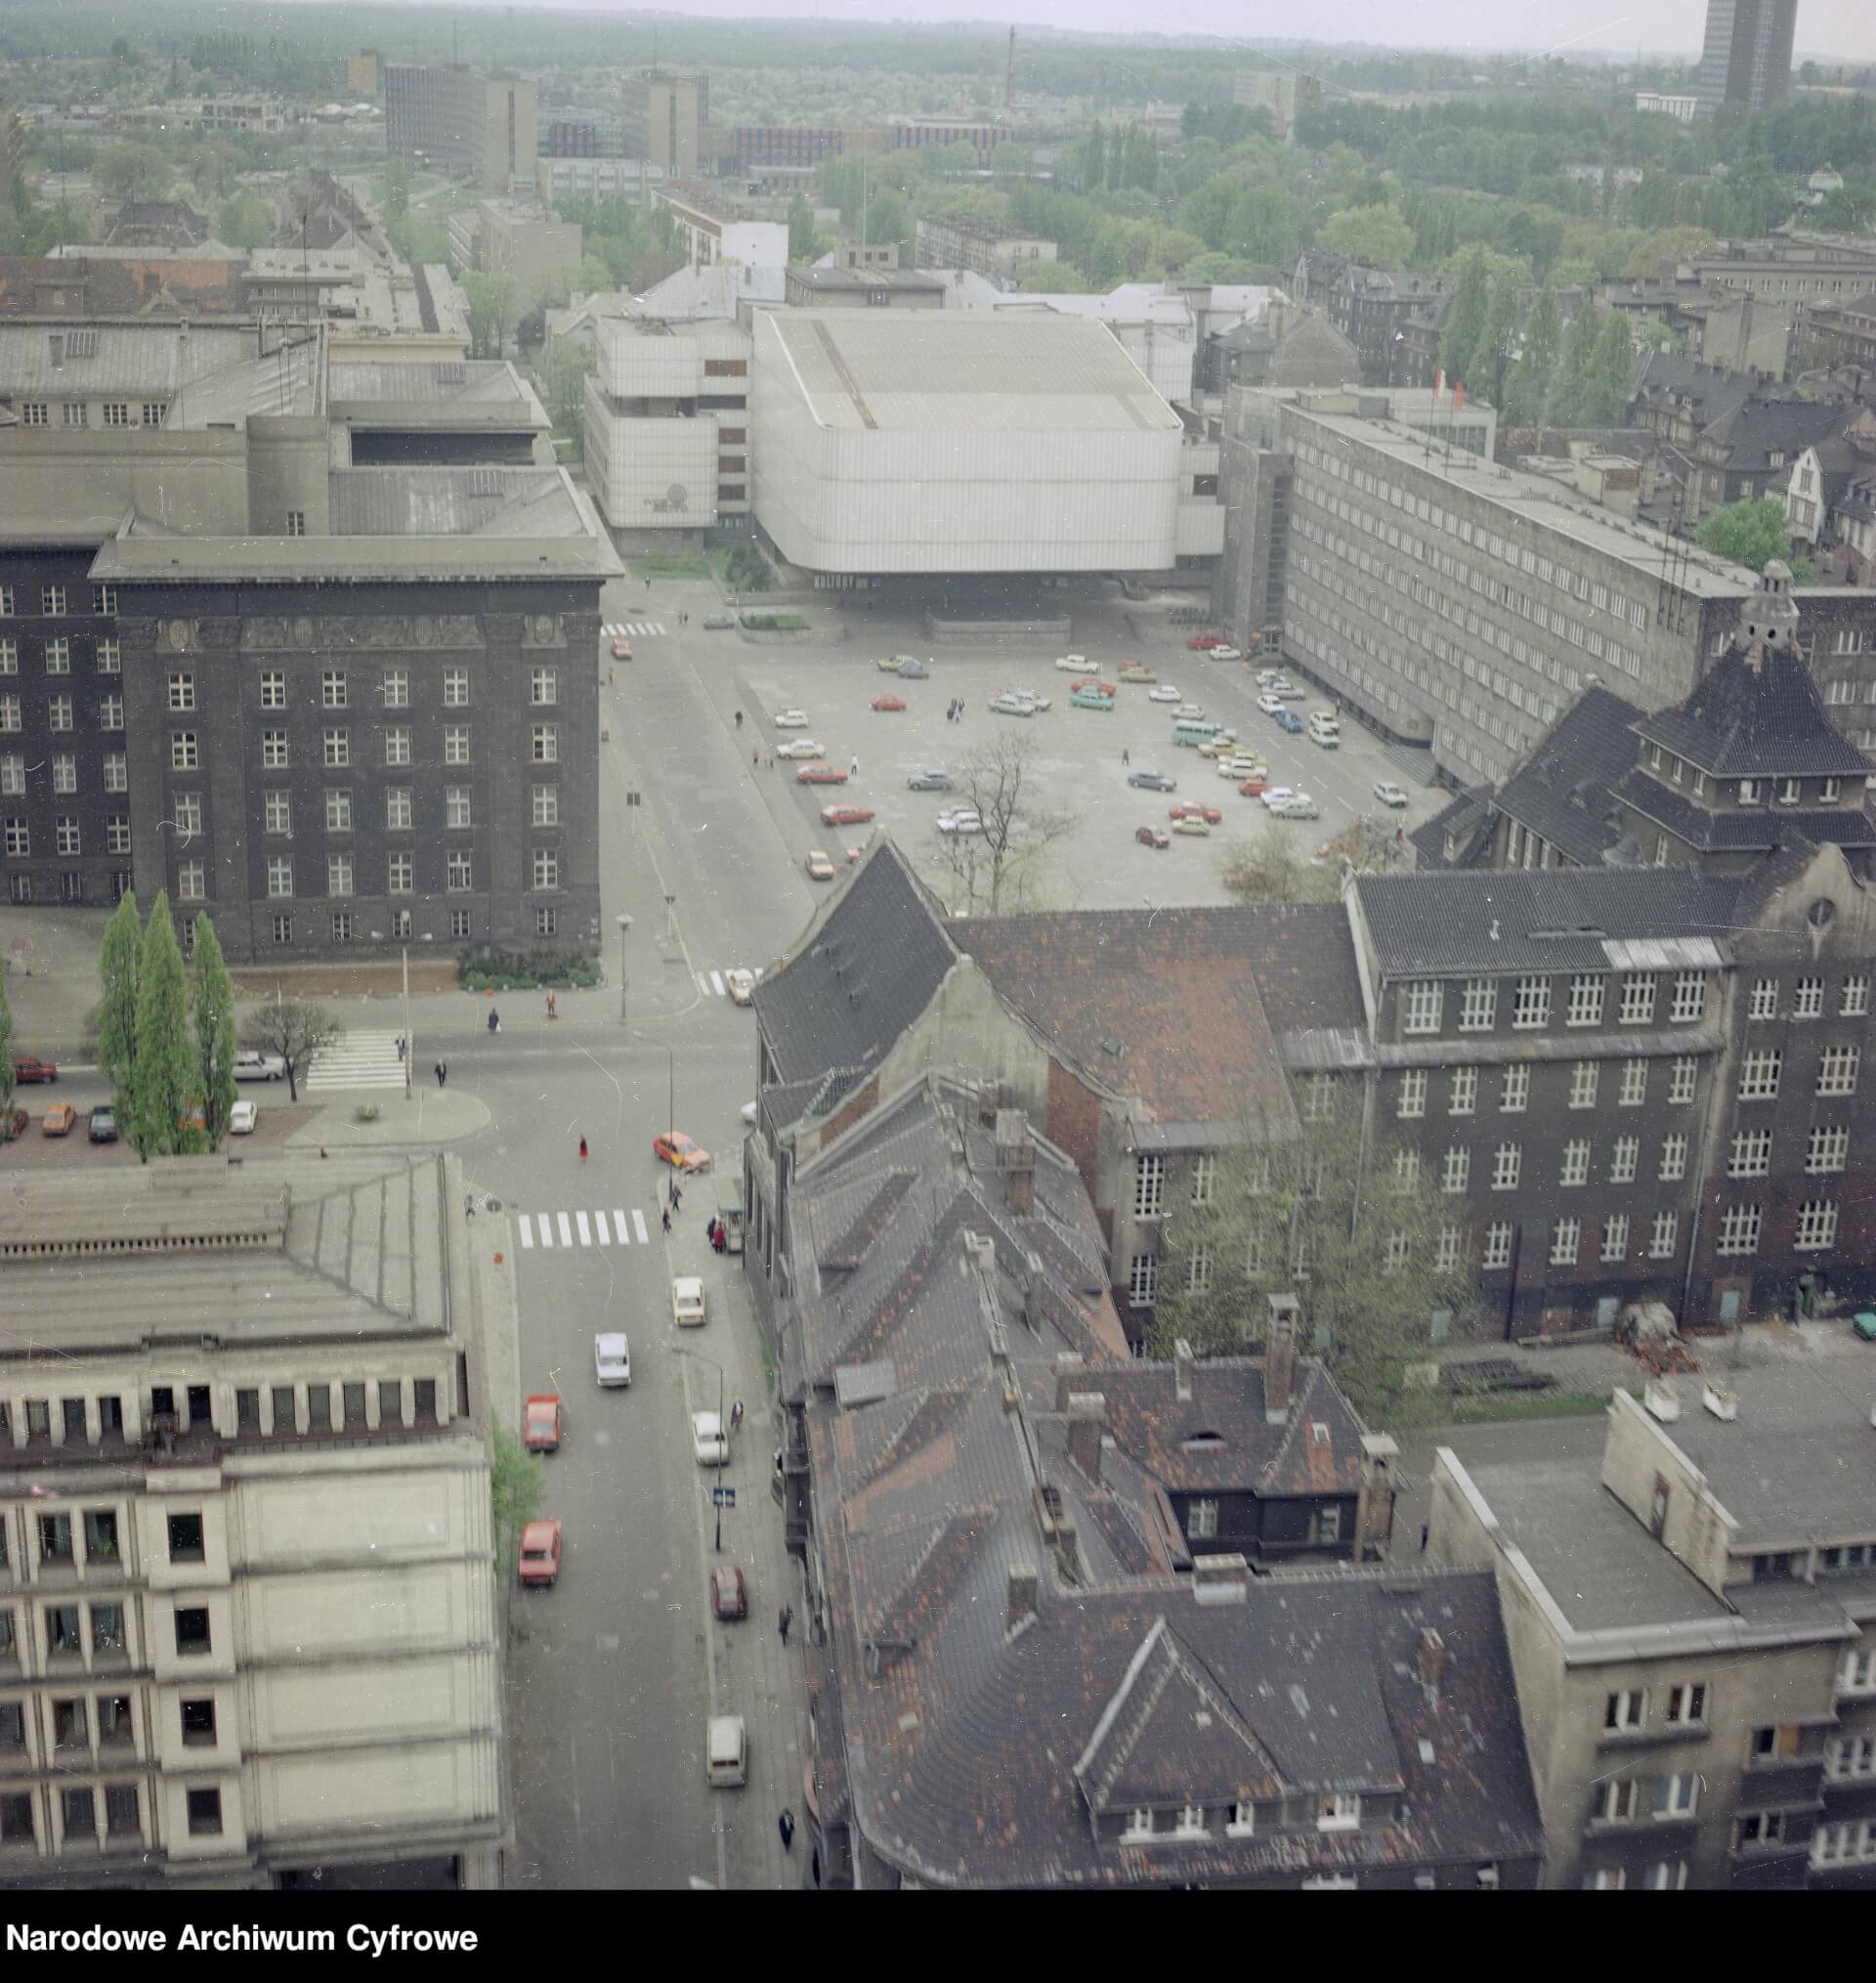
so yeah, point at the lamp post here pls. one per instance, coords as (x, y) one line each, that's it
(409, 1045)
(625, 923)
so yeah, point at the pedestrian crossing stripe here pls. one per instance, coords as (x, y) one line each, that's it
(639, 629)
(711, 983)
(550, 1230)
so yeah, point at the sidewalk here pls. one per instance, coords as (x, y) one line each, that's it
(430, 1117)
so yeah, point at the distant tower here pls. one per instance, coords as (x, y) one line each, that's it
(1009, 75)
(1746, 57)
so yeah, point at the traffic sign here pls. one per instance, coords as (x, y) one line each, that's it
(723, 1497)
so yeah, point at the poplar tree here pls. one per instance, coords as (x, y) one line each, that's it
(119, 969)
(1534, 372)
(1611, 373)
(1571, 394)
(165, 1077)
(212, 997)
(1465, 327)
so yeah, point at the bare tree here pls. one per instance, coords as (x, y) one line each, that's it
(996, 869)
(293, 1028)
(1284, 863)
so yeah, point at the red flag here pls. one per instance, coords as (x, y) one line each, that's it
(1459, 396)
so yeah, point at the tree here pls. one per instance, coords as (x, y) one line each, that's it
(165, 1083)
(1376, 235)
(1534, 373)
(1667, 244)
(133, 172)
(804, 242)
(6, 1048)
(1571, 391)
(1752, 533)
(1053, 278)
(1497, 344)
(1275, 867)
(997, 868)
(517, 1482)
(212, 999)
(243, 221)
(1611, 384)
(295, 1029)
(491, 309)
(1290, 1208)
(1465, 329)
(120, 977)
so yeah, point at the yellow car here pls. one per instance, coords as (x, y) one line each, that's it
(1190, 824)
(820, 868)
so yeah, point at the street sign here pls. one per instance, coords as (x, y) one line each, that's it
(723, 1497)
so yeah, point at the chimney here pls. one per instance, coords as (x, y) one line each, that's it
(1069, 1366)
(1280, 1357)
(1432, 1657)
(1220, 1580)
(1182, 1370)
(1016, 1159)
(1087, 1422)
(1019, 1608)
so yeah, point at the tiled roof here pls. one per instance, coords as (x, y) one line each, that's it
(1756, 714)
(1552, 920)
(1739, 831)
(869, 965)
(1758, 428)
(1466, 820)
(1562, 789)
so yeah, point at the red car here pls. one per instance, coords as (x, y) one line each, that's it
(845, 815)
(1208, 813)
(1092, 688)
(540, 1424)
(621, 650)
(540, 1555)
(680, 1153)
(729, 1594)
(888, 702)
(1254, 787)
(819, 774)
(26, 1068)
(1202, 643)
(1152, 835)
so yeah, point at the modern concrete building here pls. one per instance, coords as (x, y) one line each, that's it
(599, 178)
(361, 73)
(662, 117)
(513, 237)
(865, 289)
(958, 242)
(1282, 92)
(719, 227)
(1664, 104)
(481, 126)
(1746, 59)
(248, 1619)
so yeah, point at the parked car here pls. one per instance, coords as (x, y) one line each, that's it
(1093, 685)
(251, 1065)
(540, 1555)
(1391, 794)
(688, 1309)
(1270, 705)
(1301, 806)
(1072, 664)
(729, 1594)
(888, 702)
(914, 671)
(845, 815)
(103, 1125)
(792, 719)
(1191, 824)
(716, 623)
(1011, 706)
(26, 1067)
(621, 650)
(802, 747)
(929, 781)
(964, 821)
(1226, 654)
(726, 1753)
(1152, 781)
(612, 1360)
(1165, 692)
(1029, 696)
(1089, 699)
(1202, 643)
(1152, 835)
(242, 1117)
(820, 868)
(708, 1441)
(1188, 713)
(540, 1423)
(1237, 765)
(1290, 721)
(1254, 787)
(1287, 689)
(1273, 795)
(890, 663)
(1136, 670)
(740, 986)
(1191, 809)
(675, 1147)
(58, 1119)
(819, 774)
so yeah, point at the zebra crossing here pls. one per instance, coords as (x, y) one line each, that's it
(356, 1059)
(632, 630)
(550, 1230)
(713, 983)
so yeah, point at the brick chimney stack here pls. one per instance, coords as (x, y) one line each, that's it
(1086, 1423)
(1280, 1357)
(1070, 1365)
(1016, 1159)
(1020, 1609)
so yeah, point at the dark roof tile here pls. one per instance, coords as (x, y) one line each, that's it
(1563, 790)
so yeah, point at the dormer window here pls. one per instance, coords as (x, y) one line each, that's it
(1830, 791)
(1751, 791)
(1339, 1813)
(1241, 1820)
(1790, 791)
(1676, 769)
(1654, 757)
(1699, 782)
(1140, 1825)
(1191, 1823)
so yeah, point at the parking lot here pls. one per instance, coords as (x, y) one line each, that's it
(1082, 763)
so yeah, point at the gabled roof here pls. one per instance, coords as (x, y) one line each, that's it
(1756, 714)
(870, 961)
(1466, 820)
(1758, 428)
(1563, 788)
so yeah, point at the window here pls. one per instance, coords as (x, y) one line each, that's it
(1807, 999)
(338, 874)
(1339, 1812)
(1625, 1711)
(15, 1819)
(1399, 1251)
(295, 527)
(116, 772)
(182, 751)
(1149, 1184)
(1837, 1070)
(337, 744)
(1318, 1097)
(1855, 1002)
(9, 656)
(1790, 791)
(1683, 1078)
(1144, 1279)
(110, 655)
(459, 922)
(400, 923)
(1455, 1168)
(396, 688)
(279, 876)
(117, 833)
(1201, 1520)
(19, 837)
(272, 689)
(397, 808)
(456, 743)
(1514, 1091)
(1850, 1756)
(1583, 1084)
(191, 882)
(12, 777)
(1624, 1159)
(1205, 1173)
(1420, 1005)
(276, 811)
(1827, 1151)
(456, 806)
(182, 691)
(52, 599)
(1738, 1230)
(1688, 1705)
(59, 655)
(1566, 1237)
(191, 1629)
(10, 713)
(1761, 1827)
(338, 811)
(1531, 1004)
(1616, 1801)
(457, 875)
(1576, 1162)
(283, 930)
(1413, 1092)
(1478, 1005)
(1634, 1090)
(1615, 1238)
(1759, 1074)
(397, 744)
(546, 805)
(1463, 1095)
(400, 875)
(206, 1806)
(1507, 1161)
(1689, 1005)
(58, 712)
(1198, 1271)
(1676, 1796)
(1752, 791)
(66, 833)
(547, 921)
(1406, 1169)
(1765, 998)
(1666, 1876)
(274, 750)
(545, 747)
(1817, 1225)
(1857, 1674)
(199, 1723)
(185, 1539)
(342, 919)
(544, 687)
(1586, 999)
(1446, 1248)
(456, 688)
(1751, 1154)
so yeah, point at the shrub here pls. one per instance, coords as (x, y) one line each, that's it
(775, 623)
(523, 970)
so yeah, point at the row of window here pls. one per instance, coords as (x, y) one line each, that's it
(1508, 1164)
(273, 1412)
(1624, 1800)
(96, 1533)
(1515, 1087)
(1762, 1068)
(399, 811)
(336, 745)
(67, 836)
(60, 709)
(343, 927)
(1341, 1811)
(400, 877)
(78, 1807)
(1807, 995)
(56, 654)
(64, 768)
(113, 1717)
(1422, 1001)
(53, 600)
(78, 412)
(393, 688)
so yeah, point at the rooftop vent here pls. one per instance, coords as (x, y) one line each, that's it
(485, 481)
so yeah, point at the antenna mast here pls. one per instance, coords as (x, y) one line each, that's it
(1009, 75)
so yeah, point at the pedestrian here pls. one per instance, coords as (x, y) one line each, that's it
(1125, 759)
(468, 1204)
(677, 1198)
(853, 769)
(735, 1417)
(1424, 1530)
(441, 1073)
(755, 759)
(648, 585)
(771, 761)
(582, 1149)
(321, 1149)
(783, 1623)
(739, 720)
(400, 1050)
(786, 1826)
(1400, 835)
(709, 1233)
(667, 1217)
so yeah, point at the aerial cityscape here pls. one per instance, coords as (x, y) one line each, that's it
(624, 1266)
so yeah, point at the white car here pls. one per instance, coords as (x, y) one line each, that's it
(1269, 703)
(965, 821)
(1072, 664)
(1391, 794)
(1164, 693)
(1286, 691)
(1188, 713)
(802, 747)
(242, 1117)
(250, 1065)
(1276, 796)
(792, 719)
(1239, 767)
(1011, 706)
(686, 1301)
(612, 1360)
(1226, 654)
(742, 986)
(708, 1441)
(1298, 805)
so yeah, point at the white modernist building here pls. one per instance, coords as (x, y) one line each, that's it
(949, 441)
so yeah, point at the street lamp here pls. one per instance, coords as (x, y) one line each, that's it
(670, 1099)
(722, 1428)
(625, 923)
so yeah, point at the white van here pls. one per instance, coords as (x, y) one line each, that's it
(726, 1753)
(1325, 728)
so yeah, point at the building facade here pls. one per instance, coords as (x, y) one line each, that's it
(1282, 92)
(662, 117)
(481, 126)
(955, 242)
(1746, 59)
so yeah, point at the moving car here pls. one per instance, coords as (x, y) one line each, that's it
(729, 1593)
(1191, 824)
(715, 623)
(103, 1125)
(1072, 664)
(540, 1555)
(888, 702)
(1152, 835)
(802, 747)
(621, 650)
(1391, 794)
(1202, 643)
(1090, 699)
(251, 1065)
(820, 868)
(25, 1067)
(612, 1360)
(961, 821)
(58, 1120)
(1289, 720)
(1191, 809)
(792, 719)
(708, 1441)
(687, 1302)
(1012, 705)
(540, 1423)
(929, 781)
(845, 815)
(742, 986)
(726, 1753)
(1152, 781)
(831, 774)
(675, 1147)
(1166, 692)
(242, 1117)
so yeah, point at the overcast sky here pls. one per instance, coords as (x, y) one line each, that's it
(1835, 27)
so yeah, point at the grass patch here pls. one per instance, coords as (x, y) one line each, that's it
(775, 623)
(1512, 1410)
(672, 565)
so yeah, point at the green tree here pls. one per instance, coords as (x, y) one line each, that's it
(1571, 394)
(1752, 533)
(212, 999)
(243, 221)
(133, 172)
(1611, 374)
(6, 1049)
(119, 978)
(1376, 235)
(1465, 331)
(1093, 164)
(1667, 244)
(491, 310)
(804, 240)
(1533, 373)
(517, 1484)
(1053, 278)
(1497, 345)
(164, 1083)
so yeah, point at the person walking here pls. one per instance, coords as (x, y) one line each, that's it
(442, 1072)
(786, 1826)
(1125, 759)
(667, 1217)
(582, 1149)
(853, 769)
(401, 1050)
(468, 1201)
(677, 1198)
(783, 1623)
(755, 760)
(735, 1417)
(739, 720)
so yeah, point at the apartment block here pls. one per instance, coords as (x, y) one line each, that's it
(527, 241)
(956, 241)
(248, 1628)
(1746, 59)
(662, 117)
(484, 127)
(719, 227)
(1281, 92)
